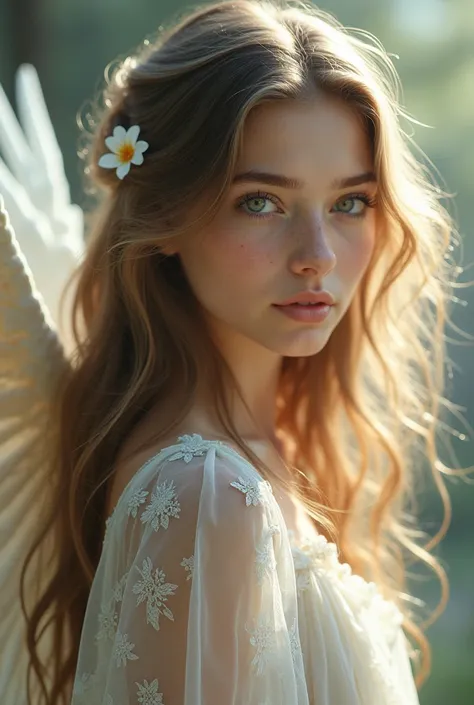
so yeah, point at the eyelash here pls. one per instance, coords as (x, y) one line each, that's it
(369, 201)
(258, 194)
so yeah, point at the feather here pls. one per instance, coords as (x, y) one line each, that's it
(32, 360)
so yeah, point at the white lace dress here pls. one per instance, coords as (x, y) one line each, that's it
(203, 597)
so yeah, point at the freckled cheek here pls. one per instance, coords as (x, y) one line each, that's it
(354, 260)
(239, 258)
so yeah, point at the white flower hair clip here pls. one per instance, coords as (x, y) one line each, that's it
(124, 150)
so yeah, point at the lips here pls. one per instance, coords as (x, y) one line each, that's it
(309, 313)
(309, 298)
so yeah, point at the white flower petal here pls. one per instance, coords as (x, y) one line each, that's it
(141, 146)
(109, 161)
(137, 158)
(113, 143)
(120, 133)
(132, 133)
(123, 170)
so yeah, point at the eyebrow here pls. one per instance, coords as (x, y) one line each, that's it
(263, 177)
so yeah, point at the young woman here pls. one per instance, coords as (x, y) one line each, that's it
(259, 315)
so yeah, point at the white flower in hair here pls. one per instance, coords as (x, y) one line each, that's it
(125, 150)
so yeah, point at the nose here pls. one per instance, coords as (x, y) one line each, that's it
(314, 253)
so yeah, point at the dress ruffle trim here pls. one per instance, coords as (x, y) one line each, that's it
(321, 555)
(318, 555)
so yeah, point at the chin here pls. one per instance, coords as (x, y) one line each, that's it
(304, 344)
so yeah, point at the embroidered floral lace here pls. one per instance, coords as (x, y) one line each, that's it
(203, 597)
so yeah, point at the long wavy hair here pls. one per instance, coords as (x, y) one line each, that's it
(358, 420)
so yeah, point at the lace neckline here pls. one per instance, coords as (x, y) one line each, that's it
(310, 552)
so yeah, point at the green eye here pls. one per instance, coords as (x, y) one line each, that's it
(259, 204)
(351, 206)
(347, 205)
(354, 206)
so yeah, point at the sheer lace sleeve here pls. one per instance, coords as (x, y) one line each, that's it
(190, 605)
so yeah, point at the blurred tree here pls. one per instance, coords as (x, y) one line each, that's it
(18, 46)
(27, 46)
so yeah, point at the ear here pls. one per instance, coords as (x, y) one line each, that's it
(168, 247)
(167, 250)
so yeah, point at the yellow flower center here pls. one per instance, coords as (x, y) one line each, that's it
(125, 153)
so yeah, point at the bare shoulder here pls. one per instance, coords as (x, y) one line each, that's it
(135, 451)
(142, 444)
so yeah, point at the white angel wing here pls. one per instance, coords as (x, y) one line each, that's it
(49, 228)
(31, 358)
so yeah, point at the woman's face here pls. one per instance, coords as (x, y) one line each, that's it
(272, 239)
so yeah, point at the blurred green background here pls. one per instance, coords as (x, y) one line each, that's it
(70, 44)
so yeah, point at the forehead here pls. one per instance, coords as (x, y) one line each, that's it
(323, 137)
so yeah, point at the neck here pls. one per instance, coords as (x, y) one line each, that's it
(256, 371)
